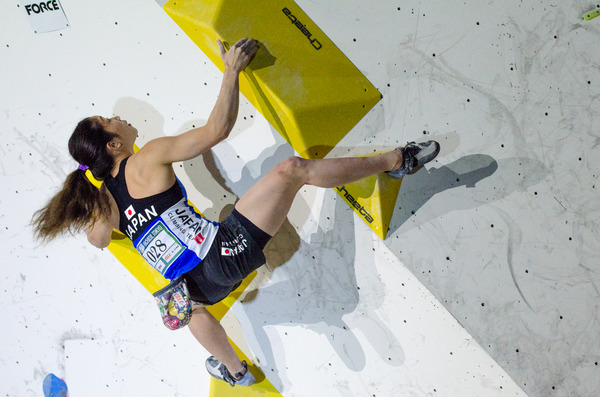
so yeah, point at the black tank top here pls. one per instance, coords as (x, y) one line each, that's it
(137, 214)
(166, 230)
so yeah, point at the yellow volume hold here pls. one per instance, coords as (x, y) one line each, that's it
(307, 89)
(300, 81)
(373, 199)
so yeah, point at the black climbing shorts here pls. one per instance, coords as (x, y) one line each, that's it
(236, 251)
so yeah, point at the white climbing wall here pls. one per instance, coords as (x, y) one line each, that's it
(487, 283)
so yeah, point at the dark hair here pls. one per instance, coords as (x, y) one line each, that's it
(79, 201)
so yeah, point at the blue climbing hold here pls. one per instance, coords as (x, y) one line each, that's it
(54, 386)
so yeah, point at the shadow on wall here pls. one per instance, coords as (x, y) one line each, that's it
(318, 290)
(319, 286)
(143, 116)
(474, 172)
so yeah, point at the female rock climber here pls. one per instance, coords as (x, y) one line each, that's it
(141, 196)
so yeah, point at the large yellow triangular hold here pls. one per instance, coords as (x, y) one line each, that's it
(262, 387)
(307, 89)
(373, 199)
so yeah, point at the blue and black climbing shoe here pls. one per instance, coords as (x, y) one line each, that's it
(415, 155)
(218, 370)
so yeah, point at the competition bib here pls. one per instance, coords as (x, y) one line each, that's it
(160, 247)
